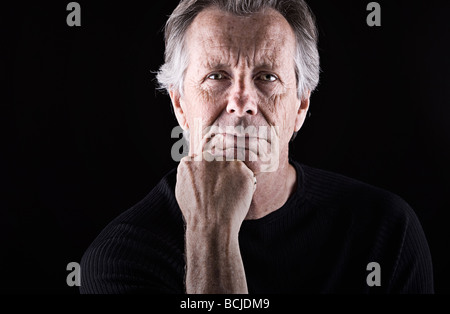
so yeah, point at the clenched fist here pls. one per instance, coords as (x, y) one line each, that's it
(214, 193)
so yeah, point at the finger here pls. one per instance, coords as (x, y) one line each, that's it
(206, 143)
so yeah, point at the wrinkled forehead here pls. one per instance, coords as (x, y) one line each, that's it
(264, 36)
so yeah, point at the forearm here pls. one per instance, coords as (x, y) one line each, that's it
(213, 261)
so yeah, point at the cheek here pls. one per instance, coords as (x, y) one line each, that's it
(280, 110)
(204, 103)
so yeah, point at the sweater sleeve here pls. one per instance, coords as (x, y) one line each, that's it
(413, 272)
(128, 262)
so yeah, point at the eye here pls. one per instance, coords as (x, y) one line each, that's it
(267, 77)
(216, 76)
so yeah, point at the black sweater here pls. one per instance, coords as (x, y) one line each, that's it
(320, 241)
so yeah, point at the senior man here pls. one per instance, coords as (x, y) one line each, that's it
(238, 215)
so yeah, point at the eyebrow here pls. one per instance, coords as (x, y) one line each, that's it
(213, 65)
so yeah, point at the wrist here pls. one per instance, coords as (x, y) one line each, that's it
(212, 235)
(211, 230)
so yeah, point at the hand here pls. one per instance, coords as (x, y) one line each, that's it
(214, 193)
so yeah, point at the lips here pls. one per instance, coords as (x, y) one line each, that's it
(246, 137)
(234, 153)
(236, 141)
(236, 146)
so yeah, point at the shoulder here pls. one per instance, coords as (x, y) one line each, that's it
(360, 209)
(327, 189)
(153, 213)
(375, 221)
(145, 241)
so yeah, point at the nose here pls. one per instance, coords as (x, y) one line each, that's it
(242, 100)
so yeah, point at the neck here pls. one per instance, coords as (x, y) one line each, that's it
(272, 190)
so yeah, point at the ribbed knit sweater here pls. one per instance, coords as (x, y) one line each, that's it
(320, 241)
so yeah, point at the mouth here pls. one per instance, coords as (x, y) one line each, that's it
(248, 138)
(245, 147)
(234, 153)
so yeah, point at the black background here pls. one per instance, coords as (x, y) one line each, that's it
(86, 136)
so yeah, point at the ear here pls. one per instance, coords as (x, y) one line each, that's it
(178, 109)
(302, 111)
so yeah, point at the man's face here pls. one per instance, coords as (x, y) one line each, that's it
(241, 72)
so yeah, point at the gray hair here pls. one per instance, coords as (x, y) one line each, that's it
(296, 12)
